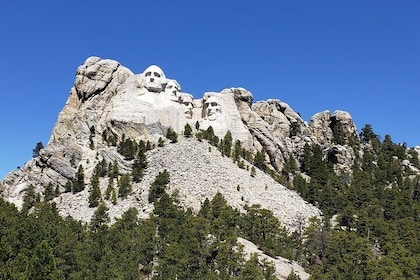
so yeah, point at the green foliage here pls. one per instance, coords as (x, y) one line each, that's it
(187, 130)
(367, 134)
(100, 218)
(94, 192)
(127, 148)
(113, 197)
(35, 152)
(79, 181)
(172, 135)
(347, 257)
(109, 188)
(237, 151)
(158, 186)
(251, 270)
(210, 136)
(294, 129)
(101, 168)
(139, 165)
(337, 132)
(414, 157)
(259, 160)
(49, 192)
(262, 228)
(290, 166)
(161, 142)
(42, 265)
(29, 199)
(226, 144)
(293, 276)
(113, 170)
(253, 171)
(124, 186)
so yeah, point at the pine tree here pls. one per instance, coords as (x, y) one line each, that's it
(35, 152)
(227, 144)
(171, 135)
(94, 192)
(43, 265)
(259, 160)
(139, 165)
(124, 186)
(161, 142)
(79, 182)
(158, 186)
(100, 218)
(115, 170)
(49, 192)
(187, 130)
(113, 197)
(109, 188)
(29, 199)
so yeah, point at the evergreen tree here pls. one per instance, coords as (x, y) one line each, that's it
(128, 148)
(227, 144)
(294, 129)
(259, 160)
(290, 166)
(251, 270)
(94, 192)
(100, 218)
(109, 188)
(337, 132)
(367, 134)
(139, 165)
(101, 168)
(124, 186)
(35, 152)
(113, 197)
(158, 186)
(237, 151)
(42, 265)
(79, 182)
(187, 130)
(68, 186)
(49, 192)
(115, 170)
(293, 276)
(253, 171)
(29, 199)
(171, 135)
(161, 142)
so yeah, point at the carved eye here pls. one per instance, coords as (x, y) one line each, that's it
(156, 74)
(213, 104)
(148, 74)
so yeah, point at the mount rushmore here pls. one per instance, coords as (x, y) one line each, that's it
(109, 99)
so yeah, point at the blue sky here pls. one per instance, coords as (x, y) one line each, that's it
(358, 56)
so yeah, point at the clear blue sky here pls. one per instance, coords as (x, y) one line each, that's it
(359, 56)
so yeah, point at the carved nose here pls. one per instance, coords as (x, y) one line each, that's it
(152, 80)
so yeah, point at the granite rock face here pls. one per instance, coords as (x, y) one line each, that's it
(108, 100)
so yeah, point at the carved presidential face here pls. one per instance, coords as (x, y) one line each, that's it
(187, 104)
(154, 79)
(173, 90)
(212, 107)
